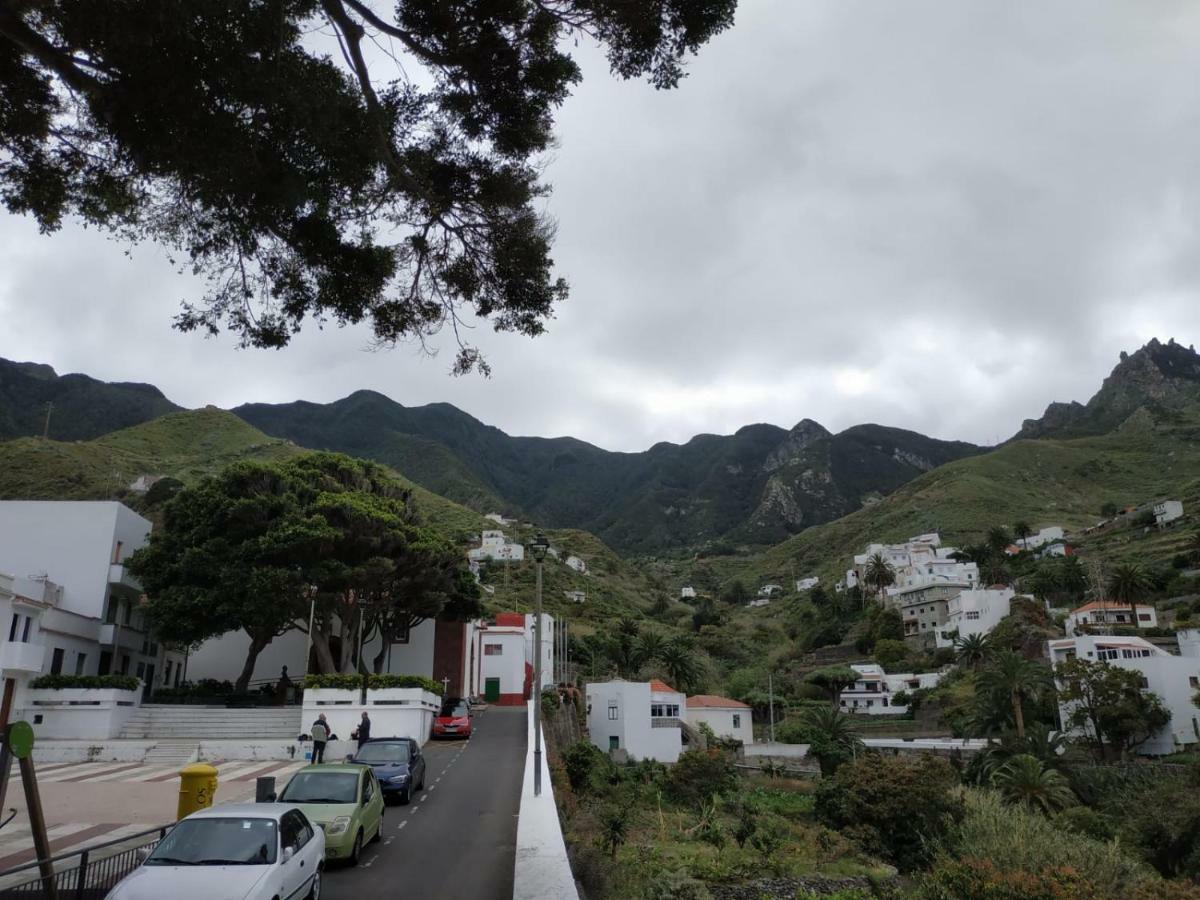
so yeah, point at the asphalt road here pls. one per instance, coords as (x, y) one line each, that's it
(457, 840)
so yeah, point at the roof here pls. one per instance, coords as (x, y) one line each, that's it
(510, 618)
(661, 686)
(1109, 604)
(712, 701)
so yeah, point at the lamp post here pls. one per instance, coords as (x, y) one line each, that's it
(538, 549)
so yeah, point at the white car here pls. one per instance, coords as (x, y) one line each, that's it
(239, 851)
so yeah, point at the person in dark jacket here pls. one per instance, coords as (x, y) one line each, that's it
(363, 732)
(320, 734)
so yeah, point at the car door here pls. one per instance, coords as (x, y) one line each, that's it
(378, 799)
(297, 871)
(312, 848)
(370, 814)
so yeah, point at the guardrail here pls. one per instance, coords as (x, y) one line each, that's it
(92, 875)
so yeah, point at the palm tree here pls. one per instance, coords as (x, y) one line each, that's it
(678, 660)
(1012, 676)
(1044, 581)
(648, 646)
(832, 738)
(998, 539)
(1024, 780)
(1128, 583)
(993, 571)
(879, 574)
(972, 650)
(1071, 576)
(1022, 531)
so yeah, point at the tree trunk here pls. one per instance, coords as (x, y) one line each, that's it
(1018, 715)
(257, 644)
(320, 642)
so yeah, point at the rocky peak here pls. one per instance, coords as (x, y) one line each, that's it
(803, 436)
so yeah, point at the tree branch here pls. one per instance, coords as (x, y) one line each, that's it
(403, 36)
(17, 30)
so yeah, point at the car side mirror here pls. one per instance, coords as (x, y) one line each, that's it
(287, 855)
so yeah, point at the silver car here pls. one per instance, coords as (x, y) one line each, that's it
(239, 851)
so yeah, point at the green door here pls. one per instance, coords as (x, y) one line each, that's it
(491, 689)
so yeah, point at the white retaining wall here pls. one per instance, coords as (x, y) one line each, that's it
(78, 714)
(394, 712)
(542, 871)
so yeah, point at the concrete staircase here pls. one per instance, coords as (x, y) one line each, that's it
(212, 723)
(178, 752)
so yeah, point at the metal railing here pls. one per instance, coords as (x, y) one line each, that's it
(85, 874)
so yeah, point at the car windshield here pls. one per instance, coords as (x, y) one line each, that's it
(321, 787)
(383, 752)
(455, 709)
(217, 842)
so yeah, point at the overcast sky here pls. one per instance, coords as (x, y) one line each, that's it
(933, 215)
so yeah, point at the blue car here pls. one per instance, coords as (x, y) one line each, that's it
(398, 765)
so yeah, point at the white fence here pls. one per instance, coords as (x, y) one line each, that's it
(542, 870)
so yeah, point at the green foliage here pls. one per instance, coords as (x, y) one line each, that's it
(86, 682)
(1129, 582)
(1086, 821)
(699, 774)
(614, 827)
(1109, 704)
(1161, 818)
(1015, 839)
(833, 680)
(584, 763)
(376, 682)
(890, 654)
(899, 806)
(981, 879)
(1009, 680)
(1025, 780)
(831, 736)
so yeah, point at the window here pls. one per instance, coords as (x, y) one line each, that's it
(178, 675)
(105, 662)
(25, 630)
(737, 720)
(493, 649)
(12, 629)
(664, 710)
(141, 670)
(289, 830)
(56, 662)
(167, 675)
(80, 662)
(117, 553)
(1143, 617)
(1193, 681)
(973, 615)
(368, 788)
(124, 663)
(612, 711)
(614, 742)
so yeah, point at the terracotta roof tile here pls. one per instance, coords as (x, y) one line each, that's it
(661, 687)
(714, 702)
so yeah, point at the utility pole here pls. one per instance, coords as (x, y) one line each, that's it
(46, 428)
(539, 547)
(771, 703)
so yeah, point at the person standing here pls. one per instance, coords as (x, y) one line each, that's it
(320, 734)
(364, 729)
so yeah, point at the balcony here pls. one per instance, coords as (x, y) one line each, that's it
(119, 578)
(664, 722)
(18, 657)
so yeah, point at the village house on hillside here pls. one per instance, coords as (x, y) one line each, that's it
(636, 719)
(1108, 613)
(874, 691)
(1175, 679)
(970, 613)
(494, 545)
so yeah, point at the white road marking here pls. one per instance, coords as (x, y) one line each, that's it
(402, 824)
(425, 797)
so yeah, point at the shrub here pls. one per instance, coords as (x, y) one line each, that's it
(1086, 821)
(982, 880)
(698, 774)
(890, 653)
(1015, 839)
(898, 806)
(86, 682)
(1163, 821)
(353, 682)
(583, 761)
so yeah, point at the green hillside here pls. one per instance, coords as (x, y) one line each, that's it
(1044, 482)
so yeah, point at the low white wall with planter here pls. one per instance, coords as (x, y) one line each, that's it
(78, 713)
(542, 870)
(394, 712)
(48, 751)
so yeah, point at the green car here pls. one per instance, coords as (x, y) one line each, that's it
(344, 800)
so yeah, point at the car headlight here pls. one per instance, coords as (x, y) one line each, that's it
(398, 779)
(339, 825)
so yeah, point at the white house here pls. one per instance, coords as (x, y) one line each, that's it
(759, 601)
(143, 483)
(687, 593)
(494, 545)
(770, 590)
(1167, 511)
(72, 592)
(502, 669)
(872, 693)
(640, 718)
(919, 562)
(1107, 613)
(727, 718)
(499, 519)
(1045, 536)
(974, 612)
(576, 596)
(1175, 679)
(577, 564)
(807, 584)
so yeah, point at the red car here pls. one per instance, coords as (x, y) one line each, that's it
(454, 720)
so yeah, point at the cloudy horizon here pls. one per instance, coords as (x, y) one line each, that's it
(935, 217)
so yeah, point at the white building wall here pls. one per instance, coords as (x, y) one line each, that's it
(548, 639)
(721, 721)
(974, 612)
(632, 723)
(508, 665)
(1174, 679)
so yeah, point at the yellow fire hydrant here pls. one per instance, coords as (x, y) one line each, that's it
(197, 788)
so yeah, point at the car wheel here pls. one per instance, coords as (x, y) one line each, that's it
(314, 892)
(356, 851)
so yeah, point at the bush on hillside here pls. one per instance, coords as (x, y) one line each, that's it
(584, 764)
(891, 654)
(1016, 839)
(898, 807)
(698, 774)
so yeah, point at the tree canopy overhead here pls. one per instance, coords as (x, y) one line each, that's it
(256, 139)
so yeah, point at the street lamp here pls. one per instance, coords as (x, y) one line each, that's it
(538, 550)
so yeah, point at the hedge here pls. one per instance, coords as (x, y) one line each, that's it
(86, 682)
(376, 682)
